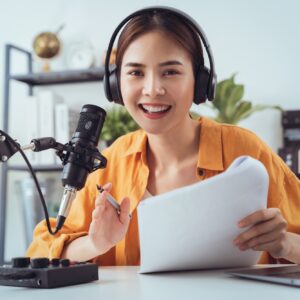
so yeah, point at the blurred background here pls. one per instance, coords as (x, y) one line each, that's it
(259, 41)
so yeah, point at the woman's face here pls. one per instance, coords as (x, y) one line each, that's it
(157, 82)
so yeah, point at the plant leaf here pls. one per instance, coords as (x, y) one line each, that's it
(221, 91)
(118, 122)
(229, 103)
(235, 95)
(242, 109)
(256, 108)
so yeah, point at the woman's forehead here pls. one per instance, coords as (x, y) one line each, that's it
(155, 44)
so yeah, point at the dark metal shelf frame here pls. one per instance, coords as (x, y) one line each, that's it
(32, 79)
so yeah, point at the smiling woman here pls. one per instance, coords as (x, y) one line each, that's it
(159, 73)
(158, 85)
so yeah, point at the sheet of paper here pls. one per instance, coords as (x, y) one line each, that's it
(193, 227)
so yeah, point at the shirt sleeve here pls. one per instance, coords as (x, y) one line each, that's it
(77, 224)
(284, 193)
(284, 189)
(284, 186)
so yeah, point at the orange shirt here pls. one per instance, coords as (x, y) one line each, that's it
(127, 169)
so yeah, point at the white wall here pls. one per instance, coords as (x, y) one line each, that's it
(258, 39)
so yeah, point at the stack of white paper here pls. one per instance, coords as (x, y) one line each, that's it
(194, 227)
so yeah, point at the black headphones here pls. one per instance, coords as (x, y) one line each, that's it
(205, 81)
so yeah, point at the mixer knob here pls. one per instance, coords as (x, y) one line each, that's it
(20, 262)
(38, 263)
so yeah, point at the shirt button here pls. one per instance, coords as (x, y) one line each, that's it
(201, 172)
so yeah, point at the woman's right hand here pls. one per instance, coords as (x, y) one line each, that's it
(107, 227)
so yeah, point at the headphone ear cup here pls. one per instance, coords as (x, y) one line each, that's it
(212, 88)
(112, 88)
(201, 85)
(106, 88)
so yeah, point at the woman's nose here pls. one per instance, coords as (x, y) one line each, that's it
(153, 87)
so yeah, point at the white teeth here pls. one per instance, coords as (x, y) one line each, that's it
(155, 108)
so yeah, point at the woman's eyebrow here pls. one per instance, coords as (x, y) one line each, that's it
(163, 64)
(133, 64)
(170, 62)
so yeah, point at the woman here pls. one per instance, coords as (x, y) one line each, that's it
(157, 59)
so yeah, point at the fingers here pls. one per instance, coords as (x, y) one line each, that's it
(262, 239)
(107, 186)
(100, 200)
(125, 211)
(267, 230)
(259, 216)
(275, 248)
(102, 204)
(97, 212)
(275, 225)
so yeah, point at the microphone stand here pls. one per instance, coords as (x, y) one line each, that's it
(9, 146)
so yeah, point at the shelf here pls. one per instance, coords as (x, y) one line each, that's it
(61, 77)
(45, 168)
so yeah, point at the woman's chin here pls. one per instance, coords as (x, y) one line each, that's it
(155, 130)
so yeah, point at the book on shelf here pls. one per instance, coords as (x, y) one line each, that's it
(65, 123)
(48, 116)
(47, 100)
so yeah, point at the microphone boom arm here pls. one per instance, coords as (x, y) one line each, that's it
(96, 159)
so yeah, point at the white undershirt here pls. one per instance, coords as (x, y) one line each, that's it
(146, 195)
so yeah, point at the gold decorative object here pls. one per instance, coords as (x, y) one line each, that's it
(46, 46)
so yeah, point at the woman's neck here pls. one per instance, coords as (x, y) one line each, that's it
(175, 147)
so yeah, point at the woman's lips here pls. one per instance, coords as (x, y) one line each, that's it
(154, 111)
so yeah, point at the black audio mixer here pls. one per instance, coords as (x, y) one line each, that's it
(45, 273)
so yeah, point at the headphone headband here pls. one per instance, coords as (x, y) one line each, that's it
(212, 78)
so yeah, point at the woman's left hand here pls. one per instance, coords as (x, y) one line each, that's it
(267, 232)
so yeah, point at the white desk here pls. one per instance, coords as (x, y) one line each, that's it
(122, 283)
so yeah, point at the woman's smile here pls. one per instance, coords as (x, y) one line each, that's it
(154, 111)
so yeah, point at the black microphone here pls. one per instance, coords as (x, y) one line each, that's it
(83, 159)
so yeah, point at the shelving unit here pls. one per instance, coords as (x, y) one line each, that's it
(32, 79)
(62, 77)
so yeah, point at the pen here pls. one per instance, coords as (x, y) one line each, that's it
(110, 199)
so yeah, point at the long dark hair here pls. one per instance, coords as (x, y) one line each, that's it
(171, 24)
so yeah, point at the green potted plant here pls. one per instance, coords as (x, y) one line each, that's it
(229, 104)
(117, 123)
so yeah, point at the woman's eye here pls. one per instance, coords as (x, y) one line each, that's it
(170, 72)
(135, 73)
